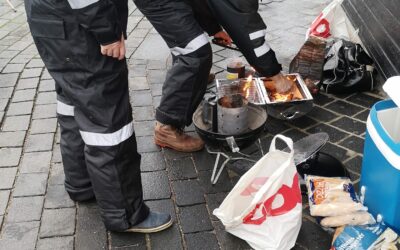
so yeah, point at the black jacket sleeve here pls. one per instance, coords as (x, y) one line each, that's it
(100, 17)
(205, 17)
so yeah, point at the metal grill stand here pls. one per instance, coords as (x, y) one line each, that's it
(234, 155)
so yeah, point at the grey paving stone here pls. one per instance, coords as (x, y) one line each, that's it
(57, 158)
(147, 51)
(213, 202)
(7, 176)
(363, 116)
(303, 122)
(12, 139)
(20, 108)
(14, 68)
(28, 83)
(46, 75)
(156, 89)
(322, 114)
(354, 164)
(141, 98)
(353, 143)
(181, 169)
(1, 117)
(8, 54)
(30, 184)
(1, 219)
(4, 196)
(275, 126)
(203, 160)
(21, 235)
(138, 83)
(144, 128)
(156, 101)
(24, 95)
(167, 239)
(322, 99)
(202, 240)
(57, 222)
(17, 123)
(363, 99)
(138, 71)
(146, 144)
(350, 125)
(47, 85)
(144, 114)
(25, 209)
(35, 63)
(336, 151)
(57, 176)
(8, 80)
(152, 162)
(3, 104)
(227, 240)
(313, 237)
(44, 111)
(345, 108)
(195, 219)
(44, 126)
(37, 162)
(171, 154)
(90, 230)
(29, 73)
(335, 135)
(46, 98)
(155, 185)
(40, 142)
(188, 192)
(59, 243)
(127, 241)
(156, 77)
(223, 184)
(9, 157)
(6, 93)
(57, 197)
(162, 206)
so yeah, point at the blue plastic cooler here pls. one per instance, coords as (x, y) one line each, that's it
(380, 175)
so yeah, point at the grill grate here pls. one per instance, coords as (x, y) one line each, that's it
(250, 90)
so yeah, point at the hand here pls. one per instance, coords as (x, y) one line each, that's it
(116, 49)
(224, 37)
(282, 84)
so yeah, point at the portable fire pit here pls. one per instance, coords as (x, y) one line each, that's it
(261, 91)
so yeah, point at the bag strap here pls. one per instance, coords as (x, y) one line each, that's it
(270, 181)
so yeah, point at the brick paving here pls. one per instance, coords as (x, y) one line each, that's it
(36, 212)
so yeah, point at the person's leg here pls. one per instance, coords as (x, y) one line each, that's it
(77, 180)
(97, 87)
(187, 79)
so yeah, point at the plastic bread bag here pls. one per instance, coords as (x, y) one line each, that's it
(332, 196)
(357, 218)
(368, 237)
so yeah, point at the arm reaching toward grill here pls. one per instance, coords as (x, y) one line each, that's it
(282, 84)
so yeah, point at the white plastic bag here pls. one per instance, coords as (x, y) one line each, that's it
(333, 22)
(264, 208)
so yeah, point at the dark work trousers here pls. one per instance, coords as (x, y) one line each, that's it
(186, 81)
(240, 18)
(98, 144)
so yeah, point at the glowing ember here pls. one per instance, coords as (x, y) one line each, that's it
(274, 96)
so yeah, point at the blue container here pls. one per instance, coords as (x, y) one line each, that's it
(380, 175)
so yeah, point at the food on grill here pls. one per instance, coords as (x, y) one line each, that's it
(293, 95)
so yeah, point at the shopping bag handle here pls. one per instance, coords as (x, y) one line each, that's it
(287, 140)
(270, 181)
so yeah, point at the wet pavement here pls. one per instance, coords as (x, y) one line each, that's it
(35, 211)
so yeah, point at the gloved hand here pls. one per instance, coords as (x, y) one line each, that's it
(224, 37)
(282, 84)
(116, 49)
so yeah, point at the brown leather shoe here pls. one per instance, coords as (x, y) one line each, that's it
(211, 78)
(170, 137)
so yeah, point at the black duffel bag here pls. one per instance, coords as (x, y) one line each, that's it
(347, 69)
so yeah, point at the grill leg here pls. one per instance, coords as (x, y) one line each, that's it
(215, 167)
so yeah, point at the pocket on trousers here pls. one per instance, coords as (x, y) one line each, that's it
(115, 219)
(47, 28)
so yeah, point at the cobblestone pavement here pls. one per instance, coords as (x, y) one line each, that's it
(35, 211)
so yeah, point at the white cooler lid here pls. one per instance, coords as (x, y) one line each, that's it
(392, 88)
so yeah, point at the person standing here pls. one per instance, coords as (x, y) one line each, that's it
(82, 45)
(182, 24)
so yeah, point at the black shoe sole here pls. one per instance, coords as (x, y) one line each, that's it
(150, 230)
